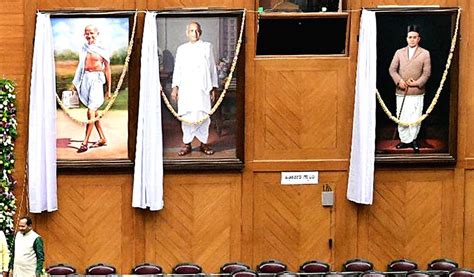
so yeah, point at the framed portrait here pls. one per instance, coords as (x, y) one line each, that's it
(409, 81)
(222, 137)
(90, 51)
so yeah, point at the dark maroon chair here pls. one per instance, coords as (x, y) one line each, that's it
(244, 273)
(233, 266)
(100, 269)
(147, 268)
(419, 273)
(357, 265)
(442, 264)
(187, 268)
(461, 272)
(400, 268)
(402, 265)
(271, 266)
(373, 274)
(442, 267)
(60, 269)
(286, 274)
(341, 274)
(314, 267)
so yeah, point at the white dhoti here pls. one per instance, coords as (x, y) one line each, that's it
(412, 110)
(91, 90)
(194, 104)
(200, 131)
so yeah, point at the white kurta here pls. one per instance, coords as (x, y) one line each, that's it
(24, 264)
(4, 253)
(195, 74)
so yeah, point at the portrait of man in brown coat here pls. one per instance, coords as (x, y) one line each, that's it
(410, 69)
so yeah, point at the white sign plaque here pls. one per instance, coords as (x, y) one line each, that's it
(299, 178)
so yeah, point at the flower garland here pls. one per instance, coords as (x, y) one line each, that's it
(226, 85)
(8, 134)
(438, 91)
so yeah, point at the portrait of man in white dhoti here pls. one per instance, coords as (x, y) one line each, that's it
(194, 84)
(196, 55)
(413, 47)
(89, 58)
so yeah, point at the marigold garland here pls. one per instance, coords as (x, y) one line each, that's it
(438, 91)
(8, 134)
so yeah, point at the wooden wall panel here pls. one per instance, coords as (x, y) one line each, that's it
(469, 220)
(442, 3)
(151, 4)
(89, 225)
(289, 222)
(415, 215)
(301, 107)
(85, 4)
(468, 105)
(200, 222)
(12, 36)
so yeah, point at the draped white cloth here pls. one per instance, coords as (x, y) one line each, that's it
(361, 171)
(148, 177)
(42, 121)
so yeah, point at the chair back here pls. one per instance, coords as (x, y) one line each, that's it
(314, 267)
(359, 265)
(402, 265)
(373, 274)
(147, 268)
(233, 266)
(342, 274)
(100, 269)
(271, 266)
(60, 269)
(461, 272)
(419, 273)
(244, 273)
(442, 264)
(286, 274)
(187, 268)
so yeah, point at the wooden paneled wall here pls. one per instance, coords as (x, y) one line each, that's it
(298, 116)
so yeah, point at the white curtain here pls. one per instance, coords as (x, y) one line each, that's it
(42, 121)
(148, 178)
(361, 171)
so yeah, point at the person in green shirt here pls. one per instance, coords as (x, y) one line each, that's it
(28, 254)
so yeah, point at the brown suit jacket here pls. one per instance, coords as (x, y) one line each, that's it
(418, 68)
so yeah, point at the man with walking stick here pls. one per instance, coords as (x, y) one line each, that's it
(410, 70)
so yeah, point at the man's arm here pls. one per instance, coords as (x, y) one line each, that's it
(5, 254)
(176, 81)
(213, 68)
(393, 69)
(108, 77)
(175, 93)
(39, 251)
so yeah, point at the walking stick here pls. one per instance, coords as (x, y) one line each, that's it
(400, 112)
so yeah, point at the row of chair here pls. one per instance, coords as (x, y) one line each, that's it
(266, 267)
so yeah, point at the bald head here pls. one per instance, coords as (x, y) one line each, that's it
(90, 34)
(193, 31)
